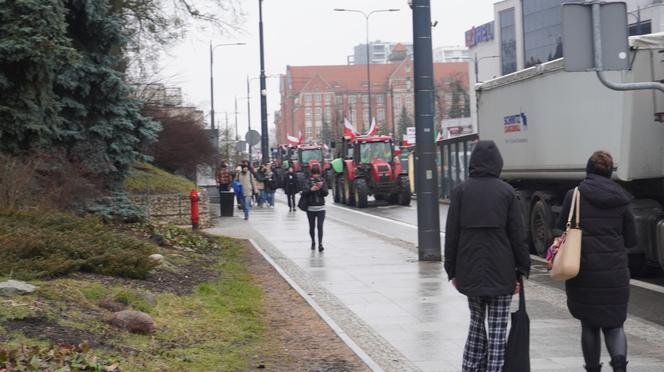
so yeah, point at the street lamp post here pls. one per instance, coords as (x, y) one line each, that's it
(366, 17)
(264, 135)
(212, 48)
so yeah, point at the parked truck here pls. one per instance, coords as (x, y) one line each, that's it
(547, 122)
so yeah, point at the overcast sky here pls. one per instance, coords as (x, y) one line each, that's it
(300, 32)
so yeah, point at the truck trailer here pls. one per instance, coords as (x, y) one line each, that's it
(547, 122)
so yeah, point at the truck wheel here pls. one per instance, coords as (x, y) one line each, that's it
(405, 195)
(361, 193)
(348, 193)
(638, 265)
(337, 190)
(541, 227)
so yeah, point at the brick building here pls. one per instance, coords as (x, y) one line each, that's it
(318, 98)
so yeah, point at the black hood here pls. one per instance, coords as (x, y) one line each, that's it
(603, 193)
(486, 160)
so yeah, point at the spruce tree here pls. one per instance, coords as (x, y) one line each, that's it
(405, 121)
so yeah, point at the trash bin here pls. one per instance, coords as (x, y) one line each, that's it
(226, 203)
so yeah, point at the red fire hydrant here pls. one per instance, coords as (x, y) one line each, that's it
(194, 197)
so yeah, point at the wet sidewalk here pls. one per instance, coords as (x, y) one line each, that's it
(403, 313)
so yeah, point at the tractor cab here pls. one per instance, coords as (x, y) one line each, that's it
(374, 157)
(310, 156)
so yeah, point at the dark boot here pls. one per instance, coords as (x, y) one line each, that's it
(619, 364)
(596, 368)
(320, 248)
(313, 246)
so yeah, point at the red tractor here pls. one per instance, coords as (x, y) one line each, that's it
(309, 156)
(370, 166)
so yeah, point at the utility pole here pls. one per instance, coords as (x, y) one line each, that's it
(249, 111)
(211, 86)
(426, 181)
(264, 135)
(228, 154)
(237, 138)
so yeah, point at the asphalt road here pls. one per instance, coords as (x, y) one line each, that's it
(400, 223)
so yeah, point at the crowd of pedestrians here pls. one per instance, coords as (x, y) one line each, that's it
(486, 250)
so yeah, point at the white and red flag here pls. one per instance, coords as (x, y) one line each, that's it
(294, 141)
(374, 128)
(349, 129)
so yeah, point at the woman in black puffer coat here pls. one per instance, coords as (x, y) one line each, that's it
(599, 295)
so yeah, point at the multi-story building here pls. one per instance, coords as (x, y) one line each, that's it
(525, 33)
(313, 97)
(451, 54)
(380, 51)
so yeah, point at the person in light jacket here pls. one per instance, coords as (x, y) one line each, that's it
(599, 294)
(486, 254)
(248, 187)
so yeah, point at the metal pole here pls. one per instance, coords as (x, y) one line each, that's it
(228, 154)
(211, 88)
(249, 111)
(237, 137)
(426, 183)
(264, 135)
(368, 70)
(477, 73)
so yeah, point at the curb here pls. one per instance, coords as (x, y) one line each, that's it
(330, 322)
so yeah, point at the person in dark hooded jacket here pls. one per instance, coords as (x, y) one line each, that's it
(486, 253)
(599, 294)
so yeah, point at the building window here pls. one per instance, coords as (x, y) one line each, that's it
(641, 28)
(340, 100)
(409, 102)
(542, 31)
(307, 99)
(380, 114)
(328, 99)
(319, 116)
(365, 117)
(398, 105)
(307, 115)
(317, 98)
(328, 114)
(308, 132)
(507, 41)
(353, 117)
(352, 99)
(380, 99)
(365, 99)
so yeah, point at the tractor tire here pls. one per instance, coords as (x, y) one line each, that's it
(393, 198)
(337, 190)
(361, 193)
(348, 193)
(379, 197)
(405, 196)
(541, 227)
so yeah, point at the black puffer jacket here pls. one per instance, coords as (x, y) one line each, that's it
(290, 183)
(315, 198)
(600, 293)
(485, 239)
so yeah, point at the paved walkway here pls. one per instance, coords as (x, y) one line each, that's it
(403, 313)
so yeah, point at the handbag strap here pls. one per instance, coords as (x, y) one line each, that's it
(575, 207)
(522, 297)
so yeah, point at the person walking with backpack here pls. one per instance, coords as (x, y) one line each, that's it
(315, 192)
(486, 255)
(291, 189)
(598, 296)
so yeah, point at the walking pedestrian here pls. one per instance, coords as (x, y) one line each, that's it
(224, 177)
(240, 199)
(315, 192)
(599, 294)
(291, 188)
(246, 179)
(260, 186)
(265, 183)
(271, 185)
(486, 255)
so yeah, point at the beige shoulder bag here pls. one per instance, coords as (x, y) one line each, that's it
(568, 259)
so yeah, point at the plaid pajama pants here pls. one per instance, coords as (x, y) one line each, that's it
(486, 353)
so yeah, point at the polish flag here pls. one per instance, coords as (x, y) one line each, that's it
(349, 130)
(374, 128)
(300, 138)
(293, 140)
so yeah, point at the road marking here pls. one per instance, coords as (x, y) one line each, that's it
(378, 217)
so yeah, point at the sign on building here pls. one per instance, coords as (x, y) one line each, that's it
(410, 135)
(480, 34)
